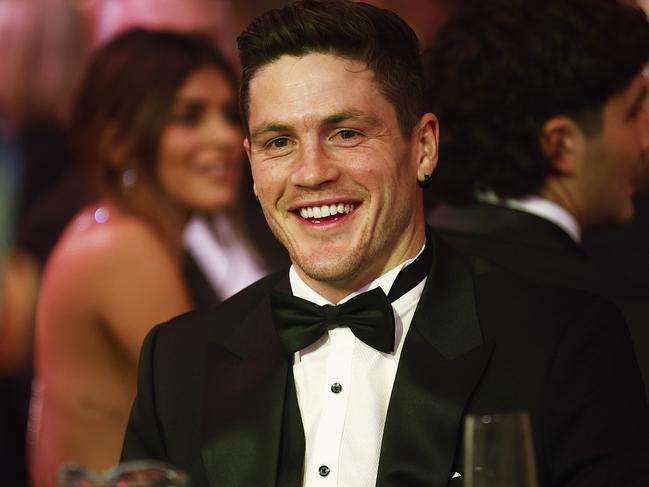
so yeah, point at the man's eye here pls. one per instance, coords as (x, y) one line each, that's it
(634, 112)
(278, 143)
(639, 108)
(347, 136)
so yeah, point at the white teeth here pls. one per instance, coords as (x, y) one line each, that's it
(325, 210)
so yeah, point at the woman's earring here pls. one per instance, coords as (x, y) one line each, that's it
(129, 178)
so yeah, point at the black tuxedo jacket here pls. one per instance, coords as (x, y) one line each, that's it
(212, 392)
(540, 251)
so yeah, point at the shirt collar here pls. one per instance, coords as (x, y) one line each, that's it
(541, 207)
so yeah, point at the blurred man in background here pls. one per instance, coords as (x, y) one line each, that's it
(545, 136)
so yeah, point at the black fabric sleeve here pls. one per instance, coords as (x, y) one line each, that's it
(143, 438)
(597, 423)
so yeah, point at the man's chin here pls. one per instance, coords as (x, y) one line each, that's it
(628, 215)
(329, 268)
(323, 272)
(623, 216)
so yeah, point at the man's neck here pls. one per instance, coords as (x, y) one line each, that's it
(304, 290)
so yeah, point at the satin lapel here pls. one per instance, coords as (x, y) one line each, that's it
(441, 364)
(244, 396)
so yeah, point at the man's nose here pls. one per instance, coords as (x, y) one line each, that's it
(643, 129)
(314, 166)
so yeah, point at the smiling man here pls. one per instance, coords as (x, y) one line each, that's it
(335, 142)
(357, 366)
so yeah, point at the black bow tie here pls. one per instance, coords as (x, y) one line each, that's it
(369, 315)
(299, 322)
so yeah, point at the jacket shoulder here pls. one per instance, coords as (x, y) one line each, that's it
(220, 321)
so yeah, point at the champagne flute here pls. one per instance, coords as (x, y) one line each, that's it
(146, 473)
(498, 451)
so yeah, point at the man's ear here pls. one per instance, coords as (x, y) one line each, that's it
(427, 140)
(562, 141)
(246, 147)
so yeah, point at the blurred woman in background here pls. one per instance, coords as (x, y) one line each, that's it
(156, 122)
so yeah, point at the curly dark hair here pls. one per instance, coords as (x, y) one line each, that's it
(500, 69)
(356, 31)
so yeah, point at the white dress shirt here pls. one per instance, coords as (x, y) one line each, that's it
(343, 389)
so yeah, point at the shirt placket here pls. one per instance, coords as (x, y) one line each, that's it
(323, 465)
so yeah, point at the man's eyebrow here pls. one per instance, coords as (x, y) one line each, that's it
(639, 101)
(333, 119)
(268, 128)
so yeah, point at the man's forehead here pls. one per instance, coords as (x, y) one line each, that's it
(315, 84)
(636, 90)
(287, 66)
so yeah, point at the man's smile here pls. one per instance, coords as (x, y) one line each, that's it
(327, 212)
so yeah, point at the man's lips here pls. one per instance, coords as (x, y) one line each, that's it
(329, 212)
